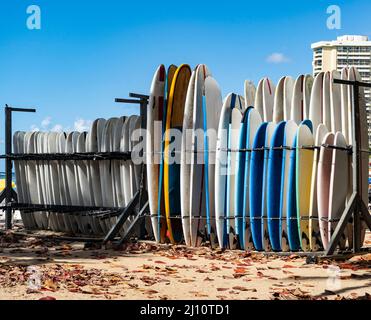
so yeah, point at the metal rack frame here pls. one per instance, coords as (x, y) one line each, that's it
(134, 208)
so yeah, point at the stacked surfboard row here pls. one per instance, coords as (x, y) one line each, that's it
(108, 183)
(276, 175)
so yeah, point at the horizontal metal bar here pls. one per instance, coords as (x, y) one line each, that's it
(352, 83)
(60, 208)
(139, 96)
(68, 156)
(20, 109)
(132, 101)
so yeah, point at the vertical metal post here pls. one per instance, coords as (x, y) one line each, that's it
(143, 182)
(356, 169)
(8, 167)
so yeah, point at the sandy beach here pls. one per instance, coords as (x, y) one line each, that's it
(33, 269)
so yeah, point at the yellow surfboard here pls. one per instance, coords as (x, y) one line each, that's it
(163, 223)
(174, 120)
(304, 166)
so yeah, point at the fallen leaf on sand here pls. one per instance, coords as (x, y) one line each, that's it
(240, 288)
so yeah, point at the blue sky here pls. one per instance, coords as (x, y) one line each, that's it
(89, 52)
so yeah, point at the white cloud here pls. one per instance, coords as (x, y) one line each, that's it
(277, 57)
(35, 128)
(46, 122)
(57, 128)
(82, 125)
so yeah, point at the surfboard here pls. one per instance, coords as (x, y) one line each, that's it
(278, 106)
(344, 104)
(274, 186)
(236, 107)
(326, 106)
(197, 195)
(84, 185)
(288, 91)
(264, 211)
(304, 161)
(251, 121)
(250, 92)
(335, 102)
(221, 170)
(316, 101)
(174, 120)
(161, 194)
(135, 168)
(155, 113)
(256, 186)
(307, 87)
(339, 181)
(323, 187)
(21, 182)
(264, 99)
(315, 237)
(240, 175)
(63, 187)
(52, 140)
(297, 107)
(212, 109)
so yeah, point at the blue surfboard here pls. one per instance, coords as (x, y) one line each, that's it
(240, 175)
(256, 187)
(274, 188)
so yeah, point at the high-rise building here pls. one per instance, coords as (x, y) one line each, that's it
(346, 51)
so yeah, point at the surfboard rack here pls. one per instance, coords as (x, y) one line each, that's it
(136, 208)
(356, 207)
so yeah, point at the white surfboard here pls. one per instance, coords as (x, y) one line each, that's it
(197, 195)
(316, 101)
(214, 105)
(345, 121)
(155, 111)
(315, 239)
(233, 144)
(308, 86)
(278, 106)
(20, 171)
(335, 100)
(185, 163)
(250, 92)
(326, 97)
(338, 185)
(288, 91)
(297, 106)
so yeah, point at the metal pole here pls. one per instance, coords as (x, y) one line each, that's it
(8, 167)
(356, 169)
